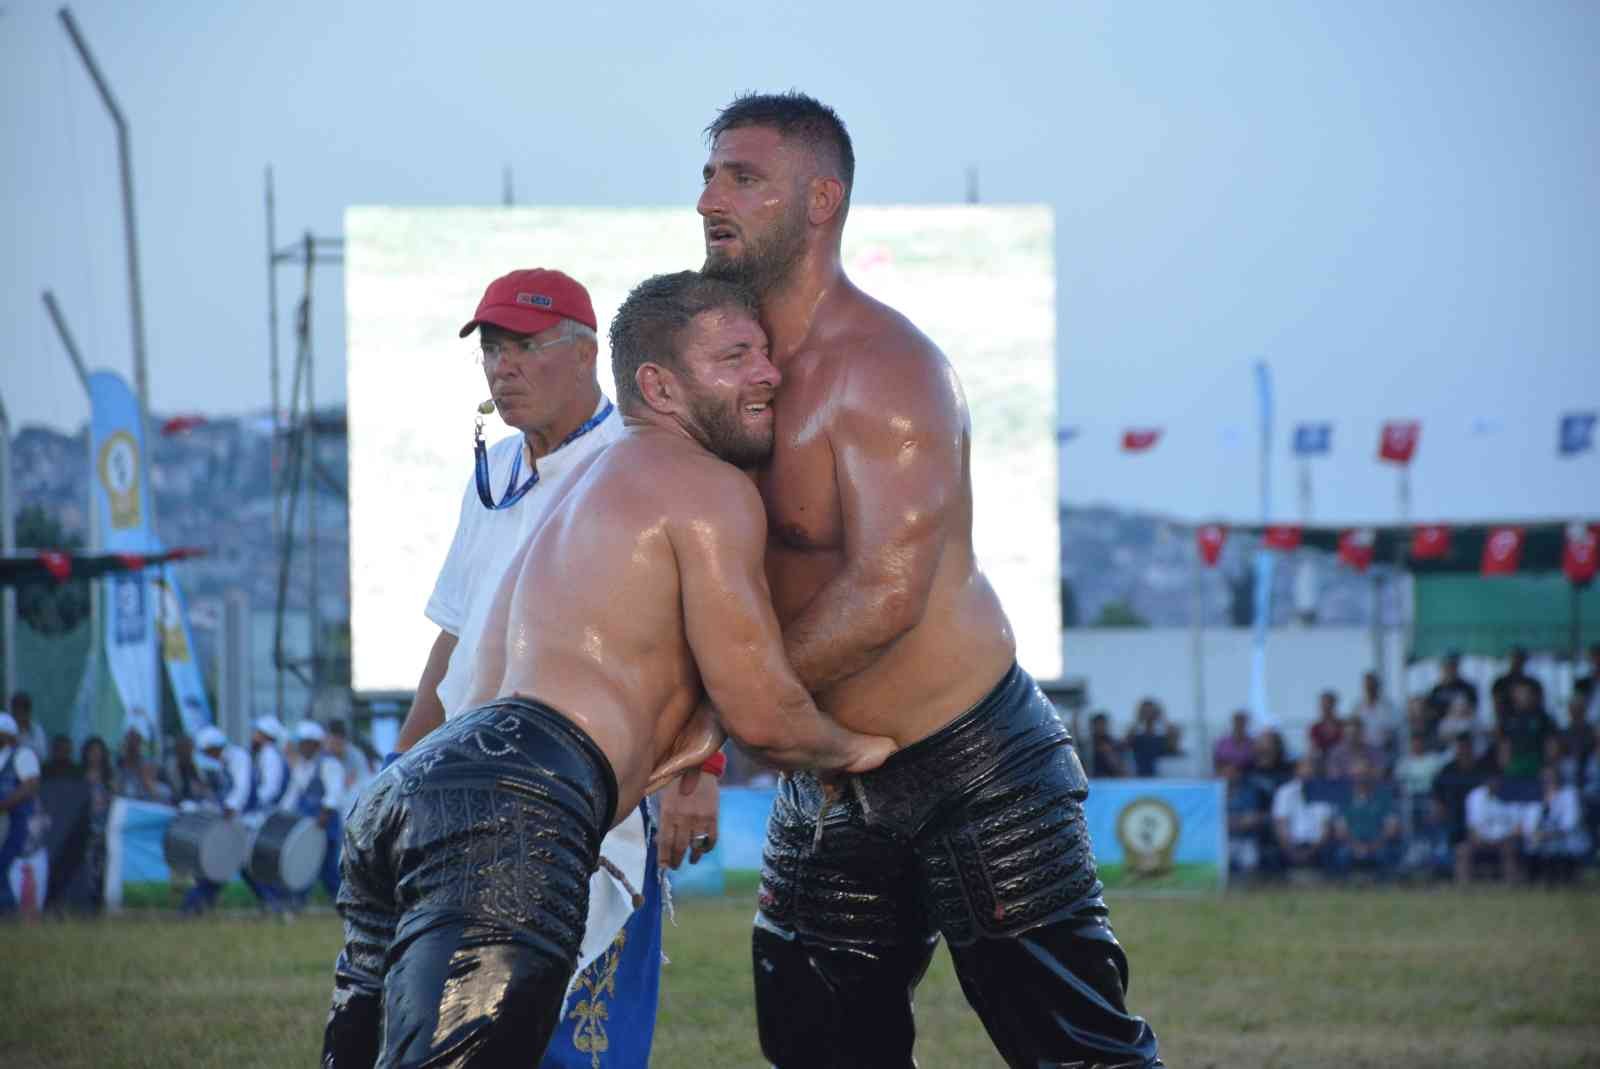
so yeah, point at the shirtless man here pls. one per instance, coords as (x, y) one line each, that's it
(974, 828)
(470, 856)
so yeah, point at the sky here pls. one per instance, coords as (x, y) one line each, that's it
(1394, 206)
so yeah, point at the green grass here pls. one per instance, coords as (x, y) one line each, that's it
(1304, 978)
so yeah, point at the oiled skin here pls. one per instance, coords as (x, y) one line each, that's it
(641, 594)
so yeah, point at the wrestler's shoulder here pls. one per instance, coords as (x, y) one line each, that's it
(880, 345)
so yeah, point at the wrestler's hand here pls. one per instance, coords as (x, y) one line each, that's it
(701, 737)
(869, 752)
(688, 809)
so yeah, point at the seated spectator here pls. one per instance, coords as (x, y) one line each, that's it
(1502, 690)
(1271, 767)
(1461, 719)
(1301, 827)
(1150, 738)
(61, 765)
(1352, 750)
(1556, 757)
(1494, 833)
(1105, 753)
(1526, 726)
(1235, 748)
(1328, 730)
(1578, 735)
(1414, 773)
(1248, 819)
(136, 774)
(1367, 829)
(1456, 779)
(1377, 712)
(182, 775)
(1421, 721)
(1451, 687)
(1557, 841)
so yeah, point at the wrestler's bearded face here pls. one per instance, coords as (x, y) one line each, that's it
(729, 384)
(753, 208)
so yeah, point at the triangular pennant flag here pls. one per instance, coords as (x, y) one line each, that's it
(1502, 551)
(57, 563)
(1313, 439)
(1398, 442)
(1280, 536)
(1430, 542)
(1356, 547)
(1581, 554)
(1210, 537)
(1577, 433)
(1139, 439)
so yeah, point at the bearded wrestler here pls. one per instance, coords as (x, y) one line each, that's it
(469, 858)
(974, 829)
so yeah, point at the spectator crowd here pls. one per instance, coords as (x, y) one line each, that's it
(1458, 784)
(313, 768)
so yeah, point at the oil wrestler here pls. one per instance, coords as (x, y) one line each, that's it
(469, 857)
(974, 829)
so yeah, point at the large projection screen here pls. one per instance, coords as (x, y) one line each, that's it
(978, 280)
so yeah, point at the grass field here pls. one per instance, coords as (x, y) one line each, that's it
(1302, 978)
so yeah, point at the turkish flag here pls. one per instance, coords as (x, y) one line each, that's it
(1355, 548)
(57, 563)
(1209, 537)
(1398, 442)
(1137, 440)
(1281, 537)
(1502, 551)
(131, 561)
(1579, 558)
(1430, 542)
(182, 424)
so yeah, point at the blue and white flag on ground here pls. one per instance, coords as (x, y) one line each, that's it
(1577, 433)
(1313, 439)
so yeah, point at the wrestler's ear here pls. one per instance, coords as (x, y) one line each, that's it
(658, 386)
(823, 199)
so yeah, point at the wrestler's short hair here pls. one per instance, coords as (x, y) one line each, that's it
(648, 326)
(794, 115)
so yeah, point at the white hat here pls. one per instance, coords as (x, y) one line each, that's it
(8, 724)
(271, 727)
(210, 737)
(308, 731)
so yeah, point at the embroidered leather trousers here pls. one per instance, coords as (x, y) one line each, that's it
(465, 890)
(976, 833)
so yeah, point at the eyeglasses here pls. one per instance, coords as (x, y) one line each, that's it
(490, 350)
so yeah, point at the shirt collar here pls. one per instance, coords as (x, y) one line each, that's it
(553, 461)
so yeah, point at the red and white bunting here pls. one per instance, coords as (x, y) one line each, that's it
(1430, 542)
(1581, 554)
(57, 563)
(1356, 548)
(1398, 442)
(1281, 536)
(1502, 551)
(1140, 439)
(1209, 537)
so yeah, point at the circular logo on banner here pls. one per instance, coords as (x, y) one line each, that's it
(1148, 830)
(119, 474)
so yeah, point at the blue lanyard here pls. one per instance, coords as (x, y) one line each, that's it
(514, 493)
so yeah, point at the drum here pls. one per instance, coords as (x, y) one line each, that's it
(288, 852)
(205, 846)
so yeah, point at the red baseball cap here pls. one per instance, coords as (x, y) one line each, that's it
(526, 302)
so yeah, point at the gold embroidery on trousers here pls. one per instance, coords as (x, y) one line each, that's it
(598, 980)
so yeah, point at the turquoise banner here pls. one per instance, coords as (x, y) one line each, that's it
(1148, 834)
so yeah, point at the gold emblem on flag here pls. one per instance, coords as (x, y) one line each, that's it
(1148, 828)
(119, 474)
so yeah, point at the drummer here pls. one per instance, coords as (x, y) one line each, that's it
(229, 775)
(316, 790)
(269, 778)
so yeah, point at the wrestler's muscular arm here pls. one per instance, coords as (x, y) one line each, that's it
(734, 637)
(897, 437)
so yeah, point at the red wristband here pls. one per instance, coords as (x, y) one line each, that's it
(716, 764)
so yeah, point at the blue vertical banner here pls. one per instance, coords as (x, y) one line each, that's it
(177, 653)
(122, 503)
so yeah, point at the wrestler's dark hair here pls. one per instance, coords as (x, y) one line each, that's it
(798, 116)
(647, 328)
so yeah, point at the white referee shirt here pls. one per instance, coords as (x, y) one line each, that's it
(324, 766)
(237, 761)
(486, 542)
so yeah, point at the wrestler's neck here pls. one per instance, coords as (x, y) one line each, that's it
(539, 442)
(795, 311)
